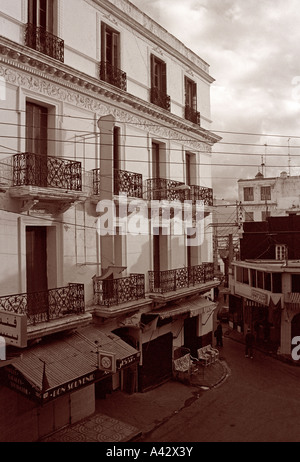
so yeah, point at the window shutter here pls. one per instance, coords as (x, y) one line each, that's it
(186, 98)
(194, 96)
(164, 77)
(103, 29)
(152, 67)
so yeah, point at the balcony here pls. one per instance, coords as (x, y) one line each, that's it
(41, 40)
(164, 189)
(48, 305)
(160, 98)
(125, 182)
(191, 115)
(200, 193)
(113, 75)
(52, 182)
(162, 282)
(108, 292)
(45, 171)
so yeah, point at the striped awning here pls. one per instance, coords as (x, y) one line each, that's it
(193, 307)
(54, 367)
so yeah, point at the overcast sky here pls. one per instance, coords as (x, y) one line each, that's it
(253, 49)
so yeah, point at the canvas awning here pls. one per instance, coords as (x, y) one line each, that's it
(56, 367)
(194, 307)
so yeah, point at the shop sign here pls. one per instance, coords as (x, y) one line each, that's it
(259, 297)
(129, 360)
(107, 361)
(68, 387)
(13, 328)
(17, 382)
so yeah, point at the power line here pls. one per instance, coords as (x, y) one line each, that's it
(128, 135)
(211, 130)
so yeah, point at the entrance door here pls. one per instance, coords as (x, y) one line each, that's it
(36, 144)
(36, 258)
(157, 362)
(191, 340)
(36, 269)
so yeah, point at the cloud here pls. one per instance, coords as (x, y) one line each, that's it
(253, 49)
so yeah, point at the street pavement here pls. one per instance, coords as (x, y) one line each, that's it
(236, 399)
(258, 402)
(121, 417)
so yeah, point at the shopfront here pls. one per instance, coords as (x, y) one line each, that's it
(54, 382)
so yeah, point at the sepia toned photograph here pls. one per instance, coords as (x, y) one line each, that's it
(149, 230)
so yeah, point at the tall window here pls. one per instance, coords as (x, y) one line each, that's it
(191, 101)
(159, 83)
(248, 194)
(265, 193)
(36, 171)
(158, 74)
(110, 70)
(40, 14)
(36, 128)
(40, 29)
(110, 46)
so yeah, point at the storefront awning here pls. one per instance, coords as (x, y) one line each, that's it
(194, 307)
(55, 367)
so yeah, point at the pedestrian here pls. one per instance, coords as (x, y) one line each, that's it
(249, 339)
(219, 335)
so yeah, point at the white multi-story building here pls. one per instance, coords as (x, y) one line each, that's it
(262, 196)
(99, 106)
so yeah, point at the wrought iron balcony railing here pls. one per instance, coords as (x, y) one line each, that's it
(41, 40)
(200, 193)
(110, 292)
(96, 181)
(160, 98)
(113, 75)
(47, 305)
(45, 171)
(164, 189)
(129, 183)
(180, 278)
(192, 115)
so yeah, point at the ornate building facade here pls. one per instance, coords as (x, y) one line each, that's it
(104, 114)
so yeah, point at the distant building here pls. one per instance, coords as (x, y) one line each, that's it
(265, 284)
(261, 196)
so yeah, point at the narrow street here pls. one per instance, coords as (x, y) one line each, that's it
(259, 402)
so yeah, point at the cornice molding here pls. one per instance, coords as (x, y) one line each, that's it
(25, 67)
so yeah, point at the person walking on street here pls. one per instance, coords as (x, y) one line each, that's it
(219, 335)
(249, 339)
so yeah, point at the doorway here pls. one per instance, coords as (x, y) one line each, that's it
(36, 270)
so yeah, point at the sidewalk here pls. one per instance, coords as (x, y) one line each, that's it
(122, 417)
(267, 348)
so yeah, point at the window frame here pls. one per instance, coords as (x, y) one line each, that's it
(265, 193)
(114, 59)
(248, 193)
(40, 13)
(158, 69)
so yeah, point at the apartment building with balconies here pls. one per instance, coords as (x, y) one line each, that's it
(103, 114)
